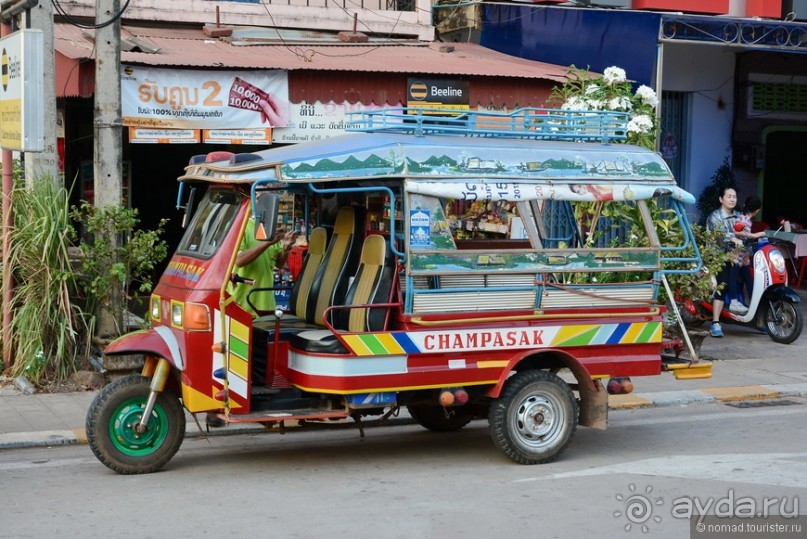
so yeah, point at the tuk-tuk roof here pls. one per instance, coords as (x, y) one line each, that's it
(416, 150)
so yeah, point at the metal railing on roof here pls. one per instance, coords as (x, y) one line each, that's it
(526, 123)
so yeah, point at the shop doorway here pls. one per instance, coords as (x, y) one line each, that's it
(784, 190)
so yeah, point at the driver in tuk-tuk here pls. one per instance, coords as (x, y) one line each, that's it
(256, 261)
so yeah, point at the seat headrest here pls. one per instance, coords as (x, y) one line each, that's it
(345, 221)
(317, 241)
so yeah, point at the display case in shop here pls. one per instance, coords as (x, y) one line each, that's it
(379, 214)
(481, 219)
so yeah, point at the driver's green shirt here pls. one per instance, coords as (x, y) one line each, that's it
(261, 270)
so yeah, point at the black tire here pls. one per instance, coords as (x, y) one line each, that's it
(547, 402)
(783, 321)
(434, 417)
(112, 438)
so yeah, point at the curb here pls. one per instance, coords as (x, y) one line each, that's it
(50, 438)
(706, 395)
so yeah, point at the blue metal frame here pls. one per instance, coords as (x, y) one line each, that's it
(382, 188)
(525, 123)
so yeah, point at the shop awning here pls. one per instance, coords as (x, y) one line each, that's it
(191, 48)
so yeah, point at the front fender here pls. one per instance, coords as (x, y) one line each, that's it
(158, 341)
(780, 291)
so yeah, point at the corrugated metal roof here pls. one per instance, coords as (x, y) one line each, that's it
(190, 47)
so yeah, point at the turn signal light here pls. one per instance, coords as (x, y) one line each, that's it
(190, 316)
(197, 317)
(446, 398)
(218, 347)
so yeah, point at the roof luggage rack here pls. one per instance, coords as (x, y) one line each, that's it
(526, 123)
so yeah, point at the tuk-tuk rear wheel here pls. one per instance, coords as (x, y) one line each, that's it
(535, 417)
(112, 430)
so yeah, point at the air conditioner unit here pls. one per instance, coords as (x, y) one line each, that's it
(799, 7)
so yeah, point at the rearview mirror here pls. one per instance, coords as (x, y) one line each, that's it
(266, 208)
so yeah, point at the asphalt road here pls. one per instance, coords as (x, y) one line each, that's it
(406, 482)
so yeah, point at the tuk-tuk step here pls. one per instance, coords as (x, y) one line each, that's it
(274, 416)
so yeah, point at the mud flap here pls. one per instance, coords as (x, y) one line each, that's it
(593, 405)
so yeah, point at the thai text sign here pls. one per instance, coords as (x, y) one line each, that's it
(317, 121)
(186, 99)
(22, 124)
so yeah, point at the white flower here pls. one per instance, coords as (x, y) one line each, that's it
(647, 95)
(592, 89)
(640, 124)
(620, 103)
(575, 103)
(596, 104)
(613, 75)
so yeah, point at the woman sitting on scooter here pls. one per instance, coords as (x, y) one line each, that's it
(723, 219)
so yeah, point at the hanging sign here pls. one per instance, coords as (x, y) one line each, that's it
(141, 135)
(189, 99)
(237, 136)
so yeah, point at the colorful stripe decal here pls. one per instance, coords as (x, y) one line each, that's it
(442, 341)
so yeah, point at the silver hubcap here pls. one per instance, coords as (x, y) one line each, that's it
(538, 420)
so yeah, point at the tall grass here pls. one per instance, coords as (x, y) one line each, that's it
(43, 328)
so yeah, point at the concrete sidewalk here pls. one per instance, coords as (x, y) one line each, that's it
(746, 366)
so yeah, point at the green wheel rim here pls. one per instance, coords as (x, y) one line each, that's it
(122, 428)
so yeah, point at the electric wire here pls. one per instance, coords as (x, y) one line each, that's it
(95, 26)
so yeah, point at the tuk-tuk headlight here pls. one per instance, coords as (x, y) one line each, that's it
(155, 308)
(777, 260)
(176, 314)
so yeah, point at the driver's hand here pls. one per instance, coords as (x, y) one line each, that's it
(289, 238)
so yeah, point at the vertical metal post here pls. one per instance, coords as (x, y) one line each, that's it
(8, 222)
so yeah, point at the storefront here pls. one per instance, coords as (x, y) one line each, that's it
(730, 86)
(184, 93)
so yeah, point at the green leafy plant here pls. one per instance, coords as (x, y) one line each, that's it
(117, 258)
(611, 91)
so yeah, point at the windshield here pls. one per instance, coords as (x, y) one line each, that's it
(210, 224)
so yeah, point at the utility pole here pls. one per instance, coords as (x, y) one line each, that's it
(45, 163)
(108, 153)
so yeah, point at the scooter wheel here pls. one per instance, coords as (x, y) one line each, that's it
(783, 320)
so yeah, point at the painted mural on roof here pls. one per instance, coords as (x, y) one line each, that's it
(530, 161)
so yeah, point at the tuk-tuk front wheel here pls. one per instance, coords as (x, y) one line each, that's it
(534, 418)
(113, 434)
